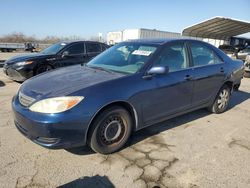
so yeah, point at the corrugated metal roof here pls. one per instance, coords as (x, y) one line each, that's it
(217, 28)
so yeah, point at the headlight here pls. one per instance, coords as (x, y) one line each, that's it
(24, 63)
(56, 105)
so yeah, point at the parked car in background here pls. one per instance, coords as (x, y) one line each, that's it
(128, 87)
(231, 51)
(242, 54)
(61, 54)
(247, 67)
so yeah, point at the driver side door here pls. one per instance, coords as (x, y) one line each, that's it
(72, 55)
(174, 90)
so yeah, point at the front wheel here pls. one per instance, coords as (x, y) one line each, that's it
(110, 131)
(222, 100)
(43, 68)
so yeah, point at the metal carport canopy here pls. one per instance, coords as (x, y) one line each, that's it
(217, 28)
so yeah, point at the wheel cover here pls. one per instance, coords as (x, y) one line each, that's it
(43, 69)
(112, 130)
(223, 99)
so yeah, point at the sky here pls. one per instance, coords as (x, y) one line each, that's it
(87, 18)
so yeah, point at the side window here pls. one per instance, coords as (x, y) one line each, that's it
(203, 55)
(93, 47)
(104, 47)
(76, 48)
(173, 56)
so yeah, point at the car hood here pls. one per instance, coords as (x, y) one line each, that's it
(25, 57)
(65, 81)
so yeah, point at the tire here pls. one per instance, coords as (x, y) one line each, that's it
(247, 74)
(221, 101)
(237, 86)
(110, 130)
(43, 68)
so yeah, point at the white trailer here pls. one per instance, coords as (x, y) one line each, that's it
(130, 34)
(9, 47)
(27, 46)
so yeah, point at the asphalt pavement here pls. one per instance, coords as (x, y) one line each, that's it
(198, 149)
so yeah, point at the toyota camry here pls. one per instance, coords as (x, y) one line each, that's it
(128, 87)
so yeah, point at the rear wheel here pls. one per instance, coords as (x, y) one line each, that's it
(237, 86)
(43, 68)
(110, 131)
(222, 100)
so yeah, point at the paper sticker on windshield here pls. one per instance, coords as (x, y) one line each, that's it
(63, 44)
(141, 52)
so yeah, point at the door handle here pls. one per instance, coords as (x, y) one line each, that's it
(222, 70)
(188, 77)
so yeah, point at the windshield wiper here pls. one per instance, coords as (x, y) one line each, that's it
(100, 68)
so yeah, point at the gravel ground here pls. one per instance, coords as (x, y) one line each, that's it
(198, 149)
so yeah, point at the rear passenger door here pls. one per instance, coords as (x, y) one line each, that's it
(92, 49)
(208, 72)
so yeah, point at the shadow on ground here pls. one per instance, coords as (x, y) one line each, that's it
(237, 98)
(81, 151)
(2, 84)
(91, 182)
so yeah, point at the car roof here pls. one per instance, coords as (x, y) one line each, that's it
(161, 41)
(76, 41)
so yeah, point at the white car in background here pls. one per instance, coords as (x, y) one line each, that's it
(242, 54)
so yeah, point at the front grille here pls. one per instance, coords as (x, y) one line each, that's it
(25, 100)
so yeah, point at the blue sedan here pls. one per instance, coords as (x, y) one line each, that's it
(126, 88)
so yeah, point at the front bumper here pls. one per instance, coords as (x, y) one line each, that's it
(55, 131)
(18, 74)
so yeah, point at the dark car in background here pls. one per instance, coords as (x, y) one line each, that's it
(61, 54)
(130, 86)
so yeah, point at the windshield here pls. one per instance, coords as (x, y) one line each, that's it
(125, 57)
(53, 49)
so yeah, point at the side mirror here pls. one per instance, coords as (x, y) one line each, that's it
(65, 54)
(158, 70)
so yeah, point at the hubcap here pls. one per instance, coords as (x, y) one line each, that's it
(112, 130)
(223, 99)
(44, 69)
